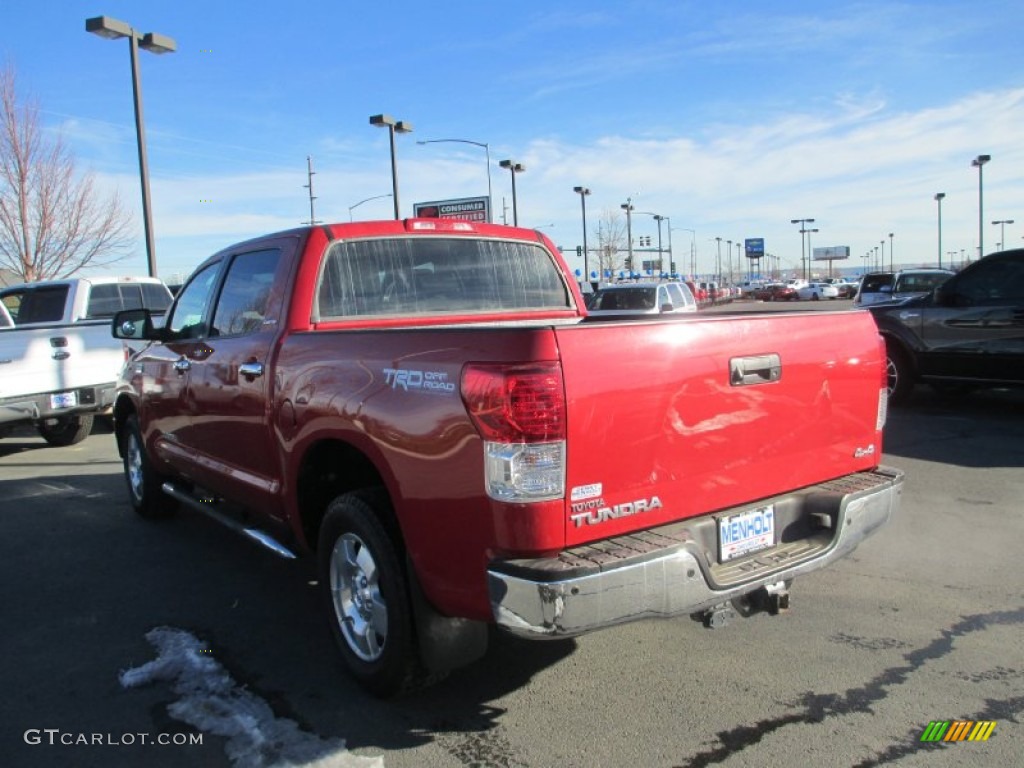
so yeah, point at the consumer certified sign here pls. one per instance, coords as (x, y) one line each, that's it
(467, 209)
(754, 247)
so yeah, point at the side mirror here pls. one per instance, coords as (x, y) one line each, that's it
(134, 324)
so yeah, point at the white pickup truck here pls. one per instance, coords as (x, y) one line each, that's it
(58, 362)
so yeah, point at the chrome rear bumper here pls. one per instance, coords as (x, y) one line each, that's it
(663, 572)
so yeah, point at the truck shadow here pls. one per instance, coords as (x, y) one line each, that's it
(977, 429)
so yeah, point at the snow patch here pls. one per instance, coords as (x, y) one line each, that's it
(210, 700)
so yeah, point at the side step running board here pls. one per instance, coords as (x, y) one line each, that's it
(210, 510)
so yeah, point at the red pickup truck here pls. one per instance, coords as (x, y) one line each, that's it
(425, 405)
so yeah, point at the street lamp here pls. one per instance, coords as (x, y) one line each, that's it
(1002, 230)
(693, 248)
(628, 208)
(487, 150)
(718, 261)
(661, 261)
(938, 199)
(803, 231)
(356, 205)
(393, 126)
(583, 192)
(883, 253)
(978, 162)
(892, 254)
(739, 257)
(112, 29)
(514, 168)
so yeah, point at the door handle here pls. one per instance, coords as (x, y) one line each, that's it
(251, 370)
(759, 369)
(182, 365)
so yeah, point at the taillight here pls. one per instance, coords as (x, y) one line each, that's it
(883, 394)
(519, 411)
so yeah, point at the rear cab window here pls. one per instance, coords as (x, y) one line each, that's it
(437, 275)
(44, 304)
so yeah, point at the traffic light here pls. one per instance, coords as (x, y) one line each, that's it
(579, 251)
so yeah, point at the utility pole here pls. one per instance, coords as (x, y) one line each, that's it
(309, 174)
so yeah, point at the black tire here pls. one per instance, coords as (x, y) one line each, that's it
(899, 374)
(366, 595)
(67, 430)
(142, 480)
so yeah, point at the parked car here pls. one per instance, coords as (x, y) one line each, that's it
(776, 292)
(847, 288)
(473, 448)
(817, 291)
(641, 299)
(876, 287)
(966, 332)
(59, 362)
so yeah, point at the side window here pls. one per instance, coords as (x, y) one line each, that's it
(243, 299)
(104, 301)
(664, 298)
(12, 302)
(993, 282)
(155, 297)
(186, 320)
(678, 295)
(38, 305)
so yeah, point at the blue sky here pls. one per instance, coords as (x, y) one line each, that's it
(731, 118)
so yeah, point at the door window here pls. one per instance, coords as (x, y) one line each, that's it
(243, 301)
(187, 318)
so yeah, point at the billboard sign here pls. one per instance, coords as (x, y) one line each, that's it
(476, 209)
(831, 253)
(754, 247)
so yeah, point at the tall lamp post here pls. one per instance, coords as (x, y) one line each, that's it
(718, 261)
(978, 162)
(883, 253)
(803, 231)
(661, 259)
(393, 126)
(1002, 231)
(892, 254)
(368, 199)
(938, 199)
(628, 208)
(112, 29)
(487, 150)
(514, 168)
(693, 248)
(583, 192)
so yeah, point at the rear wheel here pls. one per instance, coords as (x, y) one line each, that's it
(143, 482)
(366, 594)
(66, 430)
(899, 376)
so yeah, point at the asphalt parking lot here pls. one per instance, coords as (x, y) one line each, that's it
(923, 623)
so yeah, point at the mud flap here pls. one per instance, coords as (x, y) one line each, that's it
(444, 643)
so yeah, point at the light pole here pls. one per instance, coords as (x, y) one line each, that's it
(803, 231)
(628, 208)
(393, 126)
(978, 162)
(718, 260)
(1002, 231)
(877, 266)
(938, 199)
(583, 192)
(356, 205)
(693, 248)
(883, 254)
(892, 254)
(514, 168)
(661, 259)
(739, 258)
(112, 29)
(487, 150)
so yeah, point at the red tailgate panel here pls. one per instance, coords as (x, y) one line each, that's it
(657, 429)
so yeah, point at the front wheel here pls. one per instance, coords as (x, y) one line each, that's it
(366, 594)
(144, 492)
(66, 430)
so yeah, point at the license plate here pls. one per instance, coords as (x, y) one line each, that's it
(64, 400)
(748, 532)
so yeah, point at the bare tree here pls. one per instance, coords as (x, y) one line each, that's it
(611, 242)
(52, 221)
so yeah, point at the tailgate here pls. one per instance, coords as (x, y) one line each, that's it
(668, 420)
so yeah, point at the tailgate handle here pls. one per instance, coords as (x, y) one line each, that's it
(759, 369)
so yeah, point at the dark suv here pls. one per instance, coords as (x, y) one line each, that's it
(969, 331)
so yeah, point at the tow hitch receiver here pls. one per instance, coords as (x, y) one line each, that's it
(718, 616)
